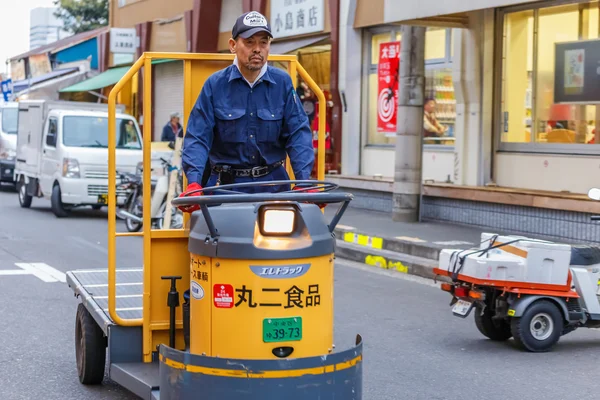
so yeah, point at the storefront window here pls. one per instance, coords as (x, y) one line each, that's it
(438, 88)
(547, 95)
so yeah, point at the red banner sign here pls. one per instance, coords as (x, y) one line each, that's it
(388, 74)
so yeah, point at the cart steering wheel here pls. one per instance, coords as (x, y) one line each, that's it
(299, 196)
(232, 196)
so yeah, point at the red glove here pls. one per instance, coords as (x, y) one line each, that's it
(321, 206)
(190, 188)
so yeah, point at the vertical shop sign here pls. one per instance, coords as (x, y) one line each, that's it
(388, 74)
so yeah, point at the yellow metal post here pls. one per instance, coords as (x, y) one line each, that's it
(147, 215)
(112, 196)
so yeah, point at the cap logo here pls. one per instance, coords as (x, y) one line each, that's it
(255, 19)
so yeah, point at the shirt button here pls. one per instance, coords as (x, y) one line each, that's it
(251, 114)
(230, 115)
(273, 115)
(251, 136)
(253, 157)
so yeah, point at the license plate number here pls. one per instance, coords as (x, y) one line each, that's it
(282, 329)
(462, 308)
(103, 199)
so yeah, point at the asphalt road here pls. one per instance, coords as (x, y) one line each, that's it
(414, 347)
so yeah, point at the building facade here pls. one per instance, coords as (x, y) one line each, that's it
(512, 82)
(309, 29)
(45, 28)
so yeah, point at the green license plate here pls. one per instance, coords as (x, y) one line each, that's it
(282, 329)
(103, 199)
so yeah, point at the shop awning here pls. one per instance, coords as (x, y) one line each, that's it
(107, 78)
(23, 84)
(293, 45)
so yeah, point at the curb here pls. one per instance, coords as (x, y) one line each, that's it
(403, 245)
(388, 260)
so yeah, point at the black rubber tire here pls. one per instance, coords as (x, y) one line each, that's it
(96, 207)
(90, 348)
(24, 198)
(56, 203)
(521, 331)
(497, 330)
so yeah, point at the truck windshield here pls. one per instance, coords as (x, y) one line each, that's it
(84, 131)
(9, 120)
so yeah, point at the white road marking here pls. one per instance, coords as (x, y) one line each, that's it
(43, 271)
(104, 270)
(14, 272)
(453, 243)
(345, 227)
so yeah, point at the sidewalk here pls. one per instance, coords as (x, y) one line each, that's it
(372, 238)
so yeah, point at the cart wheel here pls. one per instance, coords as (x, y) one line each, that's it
(494, 329)
(90, 348)
(539, 328)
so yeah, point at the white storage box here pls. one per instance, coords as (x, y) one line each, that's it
(526, 261)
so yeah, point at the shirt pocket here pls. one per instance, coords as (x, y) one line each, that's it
(229, 123)
(271, 121)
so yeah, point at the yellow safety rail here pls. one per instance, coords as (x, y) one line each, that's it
(148, 234)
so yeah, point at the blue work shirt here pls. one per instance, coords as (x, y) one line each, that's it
(235, 124)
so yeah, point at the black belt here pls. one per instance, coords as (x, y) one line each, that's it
(255, 172)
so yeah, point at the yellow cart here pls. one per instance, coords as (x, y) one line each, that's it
(258, 323)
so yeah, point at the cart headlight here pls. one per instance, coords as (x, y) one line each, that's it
(278, 221)
(70, 168)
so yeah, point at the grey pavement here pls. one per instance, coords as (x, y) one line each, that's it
(414, 347)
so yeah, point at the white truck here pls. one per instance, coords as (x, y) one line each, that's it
(62, 153)
(8, 141)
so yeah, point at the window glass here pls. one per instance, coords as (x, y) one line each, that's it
(440, 107)
(517, 77)
(557, 120)
(435, 43)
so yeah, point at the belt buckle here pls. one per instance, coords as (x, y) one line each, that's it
(255, 172)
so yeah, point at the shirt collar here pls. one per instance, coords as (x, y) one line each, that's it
(264, 74)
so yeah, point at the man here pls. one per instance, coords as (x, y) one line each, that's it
(246, 118)
(172, 129)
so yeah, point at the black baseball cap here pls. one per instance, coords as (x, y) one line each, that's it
(250, 23)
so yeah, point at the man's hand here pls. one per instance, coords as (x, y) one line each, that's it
(190, 188)
(321, 205)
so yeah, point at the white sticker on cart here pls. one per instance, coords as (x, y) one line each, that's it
(197, 291)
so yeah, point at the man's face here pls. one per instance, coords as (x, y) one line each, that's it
(252, 53)
(175, 120)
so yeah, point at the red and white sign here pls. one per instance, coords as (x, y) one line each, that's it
(388, 75)
(223, 295)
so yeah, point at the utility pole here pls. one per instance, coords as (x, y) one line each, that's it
(409, 139)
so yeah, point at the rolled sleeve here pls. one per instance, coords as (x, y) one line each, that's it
(199, 136)
(298, 136)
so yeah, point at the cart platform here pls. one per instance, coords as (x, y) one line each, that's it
(92, 286)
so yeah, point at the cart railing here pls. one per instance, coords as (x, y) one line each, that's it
(192, 64)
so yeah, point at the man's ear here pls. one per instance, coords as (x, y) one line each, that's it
(232, 44)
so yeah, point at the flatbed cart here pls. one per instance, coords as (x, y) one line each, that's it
(533, 291)
(258, 323)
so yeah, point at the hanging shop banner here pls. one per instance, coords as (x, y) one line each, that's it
(388, 73)
(577, 72)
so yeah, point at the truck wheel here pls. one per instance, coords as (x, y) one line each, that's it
(56, 203)
(494, 329)
(539, 328)
(90, 348)
(24, 198)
